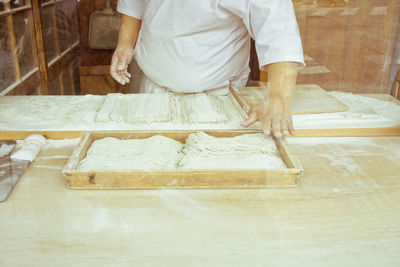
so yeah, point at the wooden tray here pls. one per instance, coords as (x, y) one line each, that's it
(177, 178)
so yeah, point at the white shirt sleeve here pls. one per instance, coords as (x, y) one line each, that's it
(132, 8)
(273, 26)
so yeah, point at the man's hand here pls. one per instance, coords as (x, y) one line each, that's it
(275, 117)
(128, 34)
(274, 112)
(121, 59)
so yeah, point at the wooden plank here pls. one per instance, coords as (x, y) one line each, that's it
(179, 180)
(79, 152)
(349, 132)
(340, 132)
(20, 135)
(44, 90)
(56, 27)
(14, 47)
(33, 35)
(158, 179)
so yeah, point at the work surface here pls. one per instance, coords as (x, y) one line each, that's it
(344, 212)
(70, 116)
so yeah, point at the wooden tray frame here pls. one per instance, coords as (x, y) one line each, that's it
(160, 179)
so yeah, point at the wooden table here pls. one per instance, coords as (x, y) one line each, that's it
(344, 212)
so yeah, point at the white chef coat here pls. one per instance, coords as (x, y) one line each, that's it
(199, 45)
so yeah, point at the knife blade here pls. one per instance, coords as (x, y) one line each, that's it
(13, 167)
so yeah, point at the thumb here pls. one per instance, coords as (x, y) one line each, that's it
(252, 118)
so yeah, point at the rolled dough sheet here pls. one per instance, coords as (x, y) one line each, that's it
(308, 99)
(49, 112)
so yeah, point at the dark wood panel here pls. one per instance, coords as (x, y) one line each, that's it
(63, 62)
(92, 57)
(27, 86)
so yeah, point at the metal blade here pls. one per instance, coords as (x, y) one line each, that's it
(10, 172)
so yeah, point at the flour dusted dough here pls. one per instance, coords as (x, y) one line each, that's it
(135, 108)
(44, 112)
(166, 107)
(248, 151)
(199, 108)
(112, 154)
(201, 151)
(112, 108)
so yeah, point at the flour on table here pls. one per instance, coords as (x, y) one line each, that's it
(43, 112)
(113, 154)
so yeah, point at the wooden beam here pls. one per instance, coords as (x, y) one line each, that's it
(44, 89)
(14, 47)
(349, 132)
(344, 132)
(56, 31)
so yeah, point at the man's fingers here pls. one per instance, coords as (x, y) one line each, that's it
(116, 76)
(114, 70)
(126, 79)
(252, 118)
(266, 125)
(291, 127)
(285, 127)
(276, 128)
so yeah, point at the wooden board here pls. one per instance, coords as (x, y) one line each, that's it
(159, 179)
(308, 99)
(340, 132)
